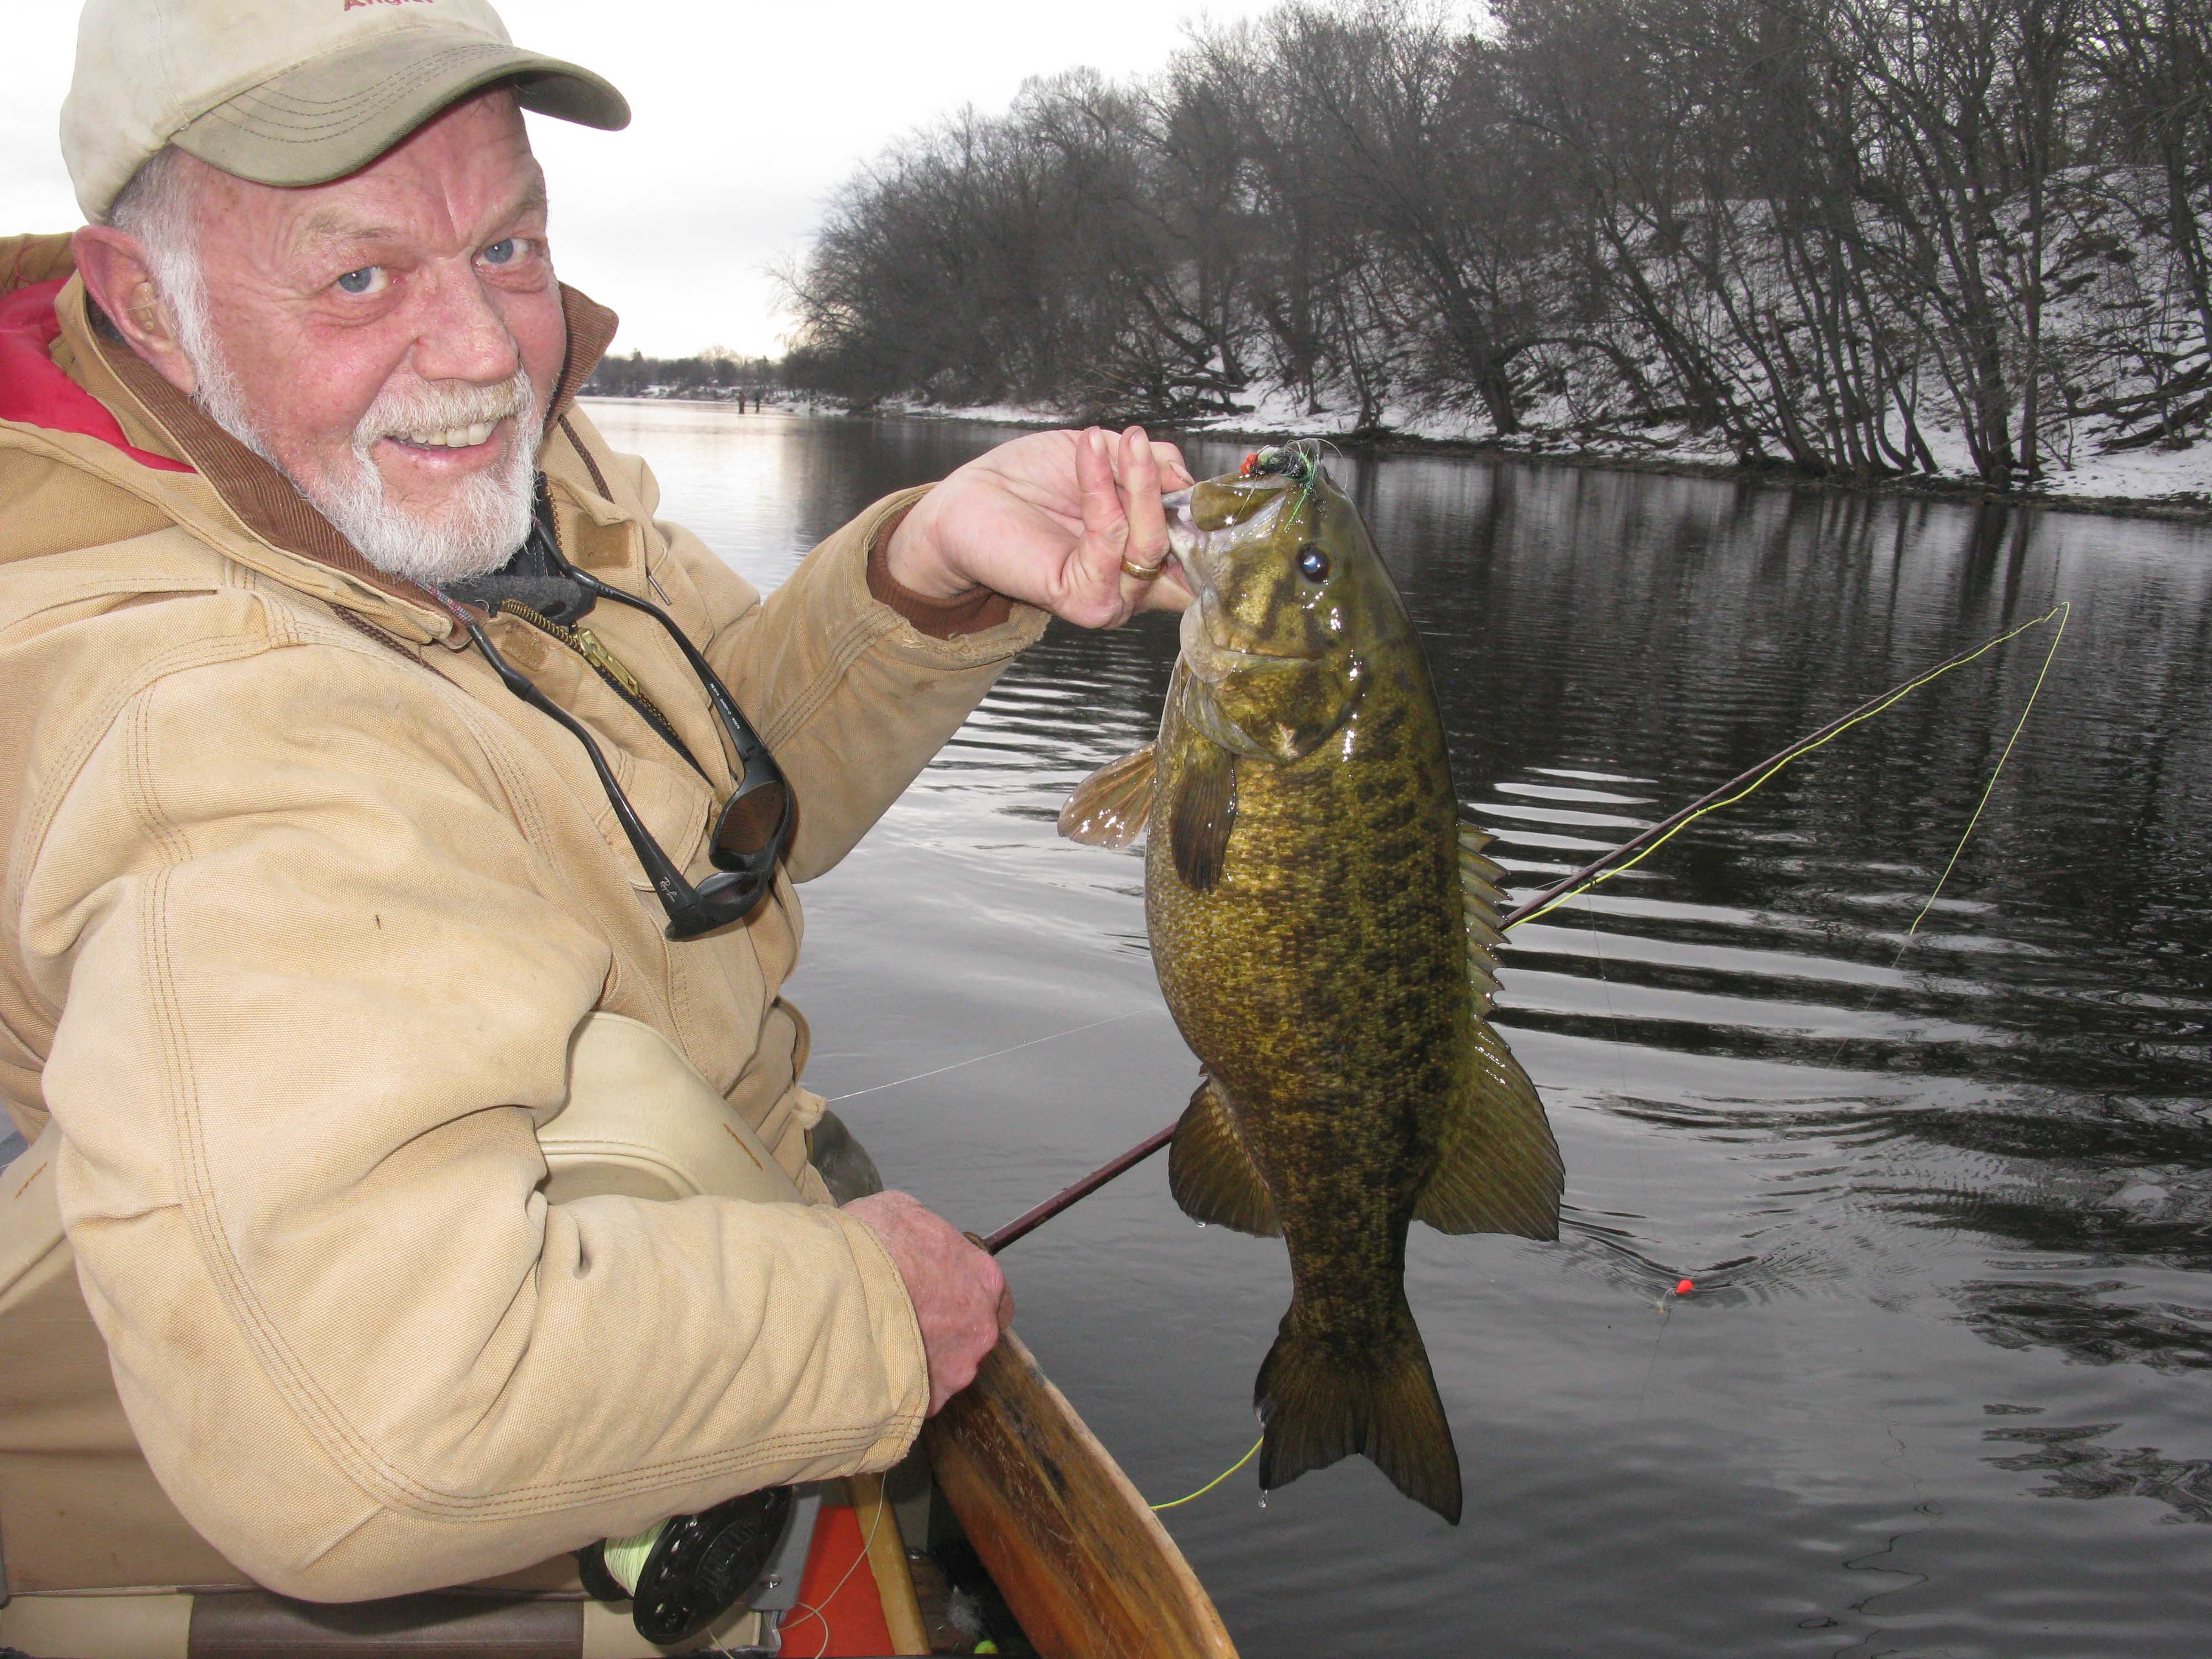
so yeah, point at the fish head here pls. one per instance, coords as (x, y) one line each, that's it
(1291, 599)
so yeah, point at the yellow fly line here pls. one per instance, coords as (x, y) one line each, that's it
(2061, 612)
(1176, 1502)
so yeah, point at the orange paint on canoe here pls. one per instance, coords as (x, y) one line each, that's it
(855, 1613)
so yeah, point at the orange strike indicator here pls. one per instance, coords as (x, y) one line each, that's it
(1684, 1287)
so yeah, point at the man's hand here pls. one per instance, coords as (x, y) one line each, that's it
(960, 1298)
(1050, 520)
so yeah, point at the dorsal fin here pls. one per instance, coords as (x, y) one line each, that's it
(1480, 899)
(1498, 1168)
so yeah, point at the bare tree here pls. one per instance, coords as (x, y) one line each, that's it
(1839, 235)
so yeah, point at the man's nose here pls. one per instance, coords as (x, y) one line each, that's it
(459, 334)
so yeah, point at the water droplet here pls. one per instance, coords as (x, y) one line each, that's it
(1263, 1500)
(1201, 1226)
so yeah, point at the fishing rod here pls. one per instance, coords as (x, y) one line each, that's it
(1612, 863)
(1034, 1217)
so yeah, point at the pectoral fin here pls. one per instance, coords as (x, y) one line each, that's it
(1498, 1167)
(1204, 810)
(1210, 1173)
(1110, 807)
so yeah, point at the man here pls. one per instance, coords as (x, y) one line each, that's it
(364, 831)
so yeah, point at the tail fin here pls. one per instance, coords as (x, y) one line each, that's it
(1320, 1405)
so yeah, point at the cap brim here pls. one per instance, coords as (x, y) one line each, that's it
(337, 114)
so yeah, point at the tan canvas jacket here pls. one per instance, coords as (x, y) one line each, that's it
(301, 910)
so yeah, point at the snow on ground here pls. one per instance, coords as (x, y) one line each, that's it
(2180, 477)
(1000, 414)
(2140, 474)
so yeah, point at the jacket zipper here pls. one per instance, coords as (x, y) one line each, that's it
(610, 668)
(362, 624)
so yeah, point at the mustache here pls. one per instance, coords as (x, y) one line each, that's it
(437, 407)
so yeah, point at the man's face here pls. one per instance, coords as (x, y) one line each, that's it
(391, 339)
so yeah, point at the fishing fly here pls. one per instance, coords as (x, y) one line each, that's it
(1298, 460)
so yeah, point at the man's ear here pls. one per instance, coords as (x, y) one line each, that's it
(116, 274)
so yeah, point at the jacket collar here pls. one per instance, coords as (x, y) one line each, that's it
(38, 389)
(265, 502)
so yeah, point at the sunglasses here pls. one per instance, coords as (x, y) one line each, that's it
(750, 831)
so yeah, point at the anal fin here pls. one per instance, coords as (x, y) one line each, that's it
(1498, 1167)
(1110, 807)
(1211, 1171)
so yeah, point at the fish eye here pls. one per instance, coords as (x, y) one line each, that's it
(1313, 563)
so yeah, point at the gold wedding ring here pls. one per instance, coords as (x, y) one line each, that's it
(1143, 572)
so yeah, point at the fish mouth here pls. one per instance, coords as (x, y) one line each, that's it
(1200, 555)
(1183, 536)
(1199, 551)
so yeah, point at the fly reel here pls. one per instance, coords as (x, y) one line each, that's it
(681, 1576)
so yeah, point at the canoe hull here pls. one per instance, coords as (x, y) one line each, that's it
(1083, 1562)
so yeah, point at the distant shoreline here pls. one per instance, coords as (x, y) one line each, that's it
(2184, 508)
(2194, 507)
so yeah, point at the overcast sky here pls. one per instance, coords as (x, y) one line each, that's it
(746, 116)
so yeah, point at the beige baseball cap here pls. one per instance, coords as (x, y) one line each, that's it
(290, 92)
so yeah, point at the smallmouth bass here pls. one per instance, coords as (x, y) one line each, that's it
(1323, 928)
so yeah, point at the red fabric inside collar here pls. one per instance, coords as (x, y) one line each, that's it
(34, 391)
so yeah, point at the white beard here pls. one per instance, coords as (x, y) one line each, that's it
(480, 526)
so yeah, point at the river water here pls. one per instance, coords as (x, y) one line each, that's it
(1941, 1386)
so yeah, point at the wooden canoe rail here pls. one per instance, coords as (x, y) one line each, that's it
(1083, 1563)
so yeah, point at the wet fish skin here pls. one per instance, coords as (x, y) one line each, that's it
(1322, 933)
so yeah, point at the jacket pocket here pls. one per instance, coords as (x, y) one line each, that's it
(674, 803)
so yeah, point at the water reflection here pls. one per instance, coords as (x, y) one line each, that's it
(2073, 1465)
(2084, 1321)
(1901, 1175)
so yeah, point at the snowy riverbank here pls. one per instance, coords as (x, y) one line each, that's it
(2174, 484)
(2153, 483)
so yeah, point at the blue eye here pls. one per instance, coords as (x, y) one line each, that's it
(503, 252)
(1313, 564)
(360, 281)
